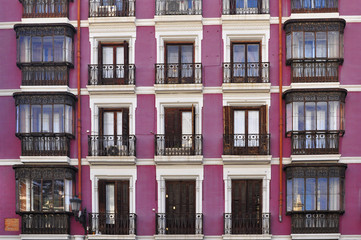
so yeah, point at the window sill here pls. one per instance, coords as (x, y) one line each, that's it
(315, 85)
(45, 20)
(315, 15)
(45, 159)
(320, 157)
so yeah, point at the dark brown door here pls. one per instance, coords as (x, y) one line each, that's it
(180, 63)
(246, 206)
(180, 207)
(113, 207)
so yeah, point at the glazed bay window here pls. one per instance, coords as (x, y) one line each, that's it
(45, 8)
(45, 53)
(310, 6)
(245, 7)
(314, 49)
(315, 197)
(315, 120)
(43, 198)
(45, 123)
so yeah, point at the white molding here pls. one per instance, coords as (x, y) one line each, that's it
(281, 237)
(247, 237)
(45, 159)
(247, 99)
(325, 236)
(145, 237)
(44, 236)
(276, 161)
(145, 90)
(246, 87)
(45, 20)
(61, 88)
(111, 160)
(112, 237)
(212, 161)
(9, 162)
(212, 90)
(212, 237)
(350, 160)
(178, 88)
(314, 15)
(318, 157)
(350, 237)
(212, 21)
(245, 17)
(193, 159)
(145, 162)
(178, 19)
(74, 162)
(246, 159)
(144, 22)
(10, 237)
(110, 89)
(180, 237)
(110, 20)
(315, 85)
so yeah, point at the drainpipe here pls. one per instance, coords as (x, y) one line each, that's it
(280, 108)
(79, 97)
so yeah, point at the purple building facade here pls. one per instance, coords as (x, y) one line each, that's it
(180, 119)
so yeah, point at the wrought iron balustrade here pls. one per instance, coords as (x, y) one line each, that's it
(234, 224)
(111, 74)
(174, 73)
(231, 7)
(44, 75)
(44, 8)
(111, 8)
(110, 145)
(246, 144)
(186, 144)
(112, 223)
(315, 142)
(315, 71)
(45, 223)
(246, 72)
(186, 223)
(315, 222)
(178, 7)
(45, 145)
(303, 6)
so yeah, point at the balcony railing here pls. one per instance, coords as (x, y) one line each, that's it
(111, 8)
(246, 144)
(246, 72)
(245, 7)
(174, 73)
(45, 145)
(315, 72)
(110, 145)
(44, 8)
(178, 7)
(191, 223)
(234, 224)
(303, 6)
(315, 223)
(111, 74)
(112, 223)
(187, 144)
(315, 142)
(44, 75)
(45, 223)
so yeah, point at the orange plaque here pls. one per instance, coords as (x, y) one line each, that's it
(11, 224)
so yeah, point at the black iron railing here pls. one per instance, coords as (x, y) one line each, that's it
(111, 74)
(315, 142)
(112, 223)
(111, 8)
(174, 73)
(315, 71)
(186, 223)
(186, 144)
(44, 75)
(178, 7)
(243, 7)
(246, 72)
(45, 145)
(246, 144)
(110, 145)
(247, 224)
(44, 8)
(306, 6)
(45, 223)
(315, 222)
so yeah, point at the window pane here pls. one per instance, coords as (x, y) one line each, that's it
(108, 123)
(239, 53)
(321, 44)
(172, 54)
(36, 118)
(252, 53)
(240, 3)
(320, 3)
(58, 195)
(298, 194)
(35, 195)
(321, 115)
(47, 49)
(322, 194)
(24, 49)
(309, 45)
(288, 46)
(120, 55)
(119, 123)
(58, 49)
(289, 195)
(68, 193)
(298, 116)
(187, 123)
(310, 194)
(334, 193)
(24, 118)
(36, 49)
(308, 3)
(334, 115)
(109, 202)
(333, 45)
(297, 45)
(187, 54)
(58, 118)
(47, 192)
(107, 55)
(310, 116)
(68, 49)
(289, 117)
(24, 194)
(252, 3)
(68, 119)
(239, 128)
(47, 118)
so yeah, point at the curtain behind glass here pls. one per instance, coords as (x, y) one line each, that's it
(253, 128)
(110, 203)
(239, 128)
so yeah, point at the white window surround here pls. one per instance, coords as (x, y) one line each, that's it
(324, 236)
(113, 173)
(231, 172)
(179, 172)
(43, 237)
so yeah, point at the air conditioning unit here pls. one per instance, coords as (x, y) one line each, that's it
(109, 11)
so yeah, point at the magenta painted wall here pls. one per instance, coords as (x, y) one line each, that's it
(212, 56)
(144, 9)
(145, 126)
(84, 10)
(213, 200)
(7, 199)
(146, 200)
(11, 11)
(212, 8)
(145, 56)
(212, 125)
(349, 7)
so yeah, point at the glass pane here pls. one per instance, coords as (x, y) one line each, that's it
(289, 195)
(120, 55)
(289, 117)
(320, 3)
(47, 192)
(298, 116)
(47, 118)
(108, 123)
(68, 193)
(109, 203)
(69, 49)
(288, 46)
(239, 53)
(68, 119)
(172, 54)
(321, 45)
(310, 194)
(24, 118)
(253, 53)
(322, 194)
(240, 3)
(334, 115)
(24, 49)
(36, 118)
(47, 49)
(321, 115)
(239, 128)
(119, 123)
(36, 49)
(187, 123)
(297, 45)
(334, 194)
(35, 195)
(252, 3)
(58, 49)
(298, 194)
(308, 3)
(58, 118)
(309, 45)
(187, 54)
(310, 116)
(58, 195)
(253, 128)
(119, 5)
(24, 194)
(333, 45)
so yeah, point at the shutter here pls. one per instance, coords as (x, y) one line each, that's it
(173, 127)
(228, 130)
(263, 120)
(193, 120)
(101, 195)
(125, 122)
(126, 53)
(122, 197)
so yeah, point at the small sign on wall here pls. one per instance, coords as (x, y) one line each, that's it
(11, 224)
